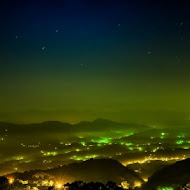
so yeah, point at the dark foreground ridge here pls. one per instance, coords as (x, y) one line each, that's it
(96, 170)
(174, 176)
(98, 174)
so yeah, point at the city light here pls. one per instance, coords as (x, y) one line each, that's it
(165, 188)
(11, 180)
(137, 184)
(58, 185)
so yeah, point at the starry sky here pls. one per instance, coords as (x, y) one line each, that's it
(85, 59)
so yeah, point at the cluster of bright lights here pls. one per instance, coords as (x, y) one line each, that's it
(162, 135)
(181, 136)
(179, 142)
(137, 184)
(83, 158)
(165, 188)
(150, 158)
(18, 158)
(125, 185)
(11, 180)
(49, 153)
(58, 185)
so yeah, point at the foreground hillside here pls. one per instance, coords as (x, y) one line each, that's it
(174, 175)
(96, 170)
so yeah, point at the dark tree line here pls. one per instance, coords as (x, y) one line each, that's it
(79, 185)
(4, 184)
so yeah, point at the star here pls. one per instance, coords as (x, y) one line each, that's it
(57, 31)
(43, 48)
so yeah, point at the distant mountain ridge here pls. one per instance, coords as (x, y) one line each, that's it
(97, 125)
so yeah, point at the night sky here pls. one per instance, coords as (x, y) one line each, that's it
(81, 60)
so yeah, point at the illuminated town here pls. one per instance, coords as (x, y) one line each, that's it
(143, 150)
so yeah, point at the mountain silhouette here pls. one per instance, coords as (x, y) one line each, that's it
(93, 170)
(175, 174)
(98, 125)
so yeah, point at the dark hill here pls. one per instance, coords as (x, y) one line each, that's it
(178, 173)
(94, 170)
